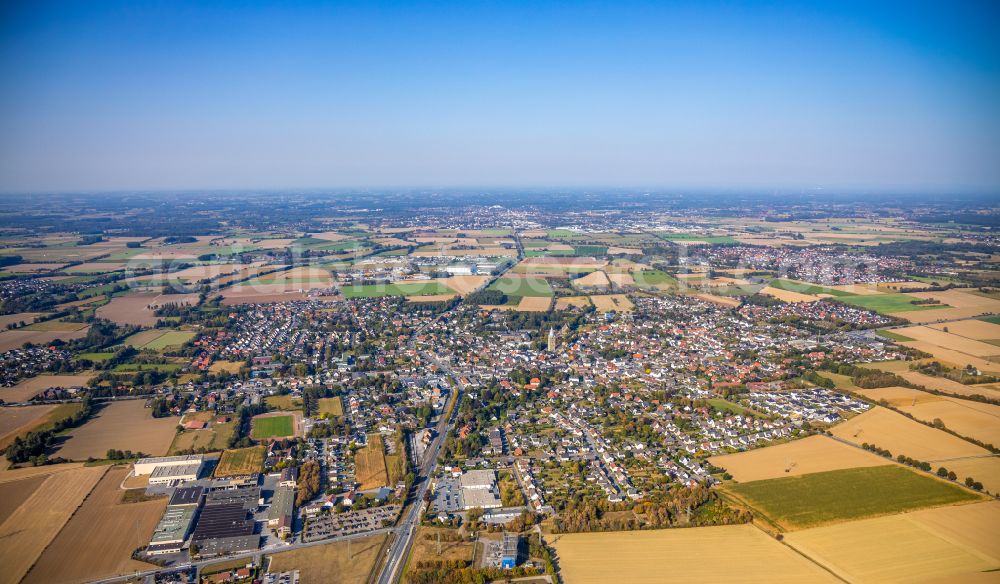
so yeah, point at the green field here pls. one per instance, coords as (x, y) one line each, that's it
(802, 288)
(132, 367)
(894, 336)
(523, 286)
(695, 237)
(241, 461)
(728, 406)
(653, 277)
(95, 357)
(429, 288)
(590, 250)
(990, 319)
(273, 427)
(852, 493)
(887, 303)
(169, 339)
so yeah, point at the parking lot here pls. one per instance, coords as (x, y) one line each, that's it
(351, 522)
(447, 496)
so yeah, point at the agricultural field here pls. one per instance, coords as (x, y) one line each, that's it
(30, 528)
(158, 339)
(901, 435)
(97, 542)
(976, 420)
(612, 303)
(139, 307)
(946, 542)
(840, 495)
(316, 564)
(890, 303)
(597, 279)
(564, 302)
(464, 285)
(123, 425)
(369, 462)
(522, 286)
(534, 304)
(227, 366)
(18, 421)
(739, 553)
(809, 455)
(28, 388)
(16, 338)
(241, 461)
(269, 426)
(422, 288)
(788, 295)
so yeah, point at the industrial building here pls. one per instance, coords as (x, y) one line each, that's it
(226, 524)
(479, 490)
(145, 466)
(175, 525)
(281, 513)
(174, 473)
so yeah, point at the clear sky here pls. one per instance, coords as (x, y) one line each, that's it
(759, 95)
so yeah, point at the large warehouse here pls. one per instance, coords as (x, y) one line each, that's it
(145, 466)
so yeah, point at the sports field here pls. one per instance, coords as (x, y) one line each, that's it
(271, 426)
(428, 288)
(731, 553)
(241, 461)
(839, 495)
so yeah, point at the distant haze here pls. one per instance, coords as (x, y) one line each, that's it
(824, 95)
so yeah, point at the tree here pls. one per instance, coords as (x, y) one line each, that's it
(942, 472)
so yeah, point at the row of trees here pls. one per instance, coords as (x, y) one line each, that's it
(309, 482)
(32, 448)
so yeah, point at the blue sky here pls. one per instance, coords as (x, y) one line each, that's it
(759, 95)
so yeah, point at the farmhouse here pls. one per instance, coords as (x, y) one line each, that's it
(145, 466)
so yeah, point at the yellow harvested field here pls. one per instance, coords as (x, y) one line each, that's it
(138, 308)
(316, 564)
(123, 425)
(621, 279)
(726, 301)
(901, 435)
(985, 469)
(971, 329)
(612, 303)
(564, 262)
(16, 338)
(17, 421)
(227, 366)
(731, 553)
(534, 304)
(624, 251)
(860, 289)
(97, 542)
(18, 318)
(464, 284)
(788, 295)
(28, 388)
(597, 279)
(34, 524)
(949, 340)
(935, 543)
(954, 358)
(949, 386)
(939, 314)
(432, 298)
(17, 474)
(901, 286)
(568, 301)
(813, 454)
(967, 418)
(961, 299)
